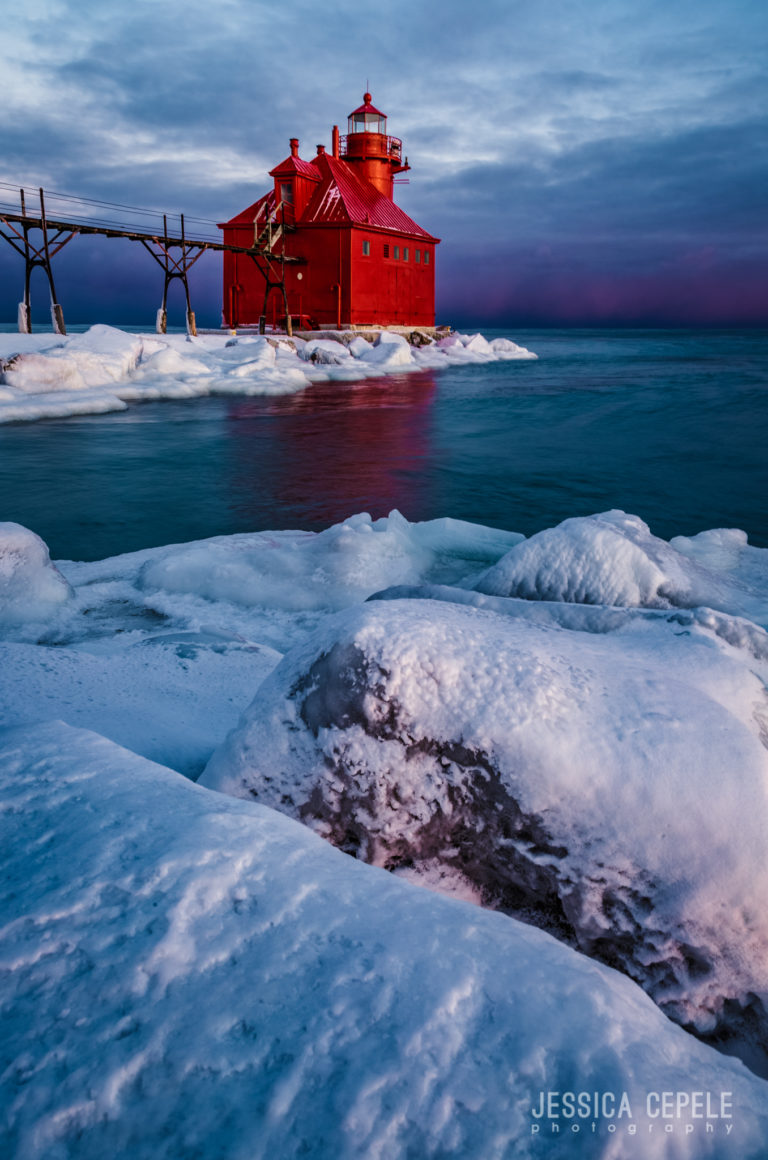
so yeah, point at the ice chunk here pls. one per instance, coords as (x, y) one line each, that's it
(610, 558)
(329, 569)
(325, 350)
(389, 351)
(463, 540)
(359, 347)
(458, 348)
(31, 587)
(478, 346)
(249, 351)
(101, 355)
(505, 348)
(262, 996)
(466, 347)
(726, 551)
(325, 570)
(168, 361)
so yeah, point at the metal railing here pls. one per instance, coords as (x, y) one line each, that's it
(373, 145)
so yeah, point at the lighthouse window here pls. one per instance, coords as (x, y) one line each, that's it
(405, 253)
(418, 255)
(426, 257)
(286, 192)
(367, 123)
(397, 252)
(386, 250)
(366, 247)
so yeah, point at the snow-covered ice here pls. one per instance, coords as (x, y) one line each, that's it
(571, 729)
(31, 587)
(105, 369)
(326, 570)
(161, 650)
(192, 975)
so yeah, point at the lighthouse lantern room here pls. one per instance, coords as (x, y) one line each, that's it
(361, 260)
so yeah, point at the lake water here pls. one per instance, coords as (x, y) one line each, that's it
(669, 425)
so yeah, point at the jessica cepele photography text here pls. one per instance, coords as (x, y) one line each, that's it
(660, 1112)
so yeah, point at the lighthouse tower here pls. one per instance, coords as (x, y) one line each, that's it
(375, 156)
(358, 259)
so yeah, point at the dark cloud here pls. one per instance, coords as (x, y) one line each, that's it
(586, 159)
(707, 182)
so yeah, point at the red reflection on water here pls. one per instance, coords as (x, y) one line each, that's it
(311, 459)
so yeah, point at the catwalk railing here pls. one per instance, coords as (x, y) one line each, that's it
(38, 238)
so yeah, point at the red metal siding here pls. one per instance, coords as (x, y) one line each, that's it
(390, 291)
(322, 291)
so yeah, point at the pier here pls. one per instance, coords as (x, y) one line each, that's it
(37, 238)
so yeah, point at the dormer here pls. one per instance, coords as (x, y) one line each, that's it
(295, 182)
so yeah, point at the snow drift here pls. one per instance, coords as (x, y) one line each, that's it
(191, 975)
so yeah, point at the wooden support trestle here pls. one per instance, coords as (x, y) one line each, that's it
(39, 254)
(173, 267)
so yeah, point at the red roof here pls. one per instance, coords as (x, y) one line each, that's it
(367, 107)
(293, 165)
(246, 217)
(343, 198)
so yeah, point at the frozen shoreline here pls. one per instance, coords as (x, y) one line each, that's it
(588, 704)
(45, 376)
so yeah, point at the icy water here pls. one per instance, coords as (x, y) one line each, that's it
(669, 425)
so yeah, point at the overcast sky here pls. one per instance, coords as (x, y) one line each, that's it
(584, 161)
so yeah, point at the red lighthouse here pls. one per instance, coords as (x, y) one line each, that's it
(363, 261)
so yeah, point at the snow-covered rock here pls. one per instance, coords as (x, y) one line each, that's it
(185, 975)
(608, 782)
(613, 558)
